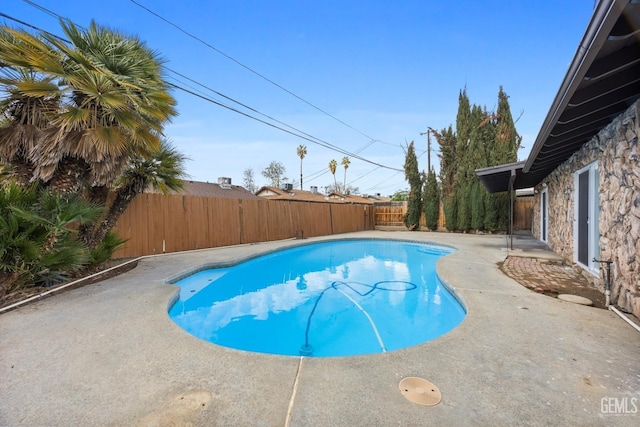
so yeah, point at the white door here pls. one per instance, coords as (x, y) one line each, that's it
(587, 209)
(544, 215)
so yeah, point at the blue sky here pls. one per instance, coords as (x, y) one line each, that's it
(387, 69)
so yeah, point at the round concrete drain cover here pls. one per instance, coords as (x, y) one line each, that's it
(575, 299)
(420, 391)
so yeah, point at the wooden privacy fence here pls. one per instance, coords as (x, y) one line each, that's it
(390, 214)
(522, 213)
(156, 223)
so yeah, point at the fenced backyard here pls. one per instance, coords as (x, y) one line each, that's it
(155, 223)
(523, 213)
(391, 213)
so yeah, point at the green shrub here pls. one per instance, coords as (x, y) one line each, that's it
(105, 249)
(38, 241)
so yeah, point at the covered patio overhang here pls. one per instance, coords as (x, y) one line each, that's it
(502, 178)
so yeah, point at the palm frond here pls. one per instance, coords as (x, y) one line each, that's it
(106, 248)
(102, 98)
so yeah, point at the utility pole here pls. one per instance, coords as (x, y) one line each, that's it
(428, 133)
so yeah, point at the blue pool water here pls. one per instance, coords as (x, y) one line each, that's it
(335, 298)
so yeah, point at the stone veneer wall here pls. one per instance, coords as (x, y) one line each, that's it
(617, 151)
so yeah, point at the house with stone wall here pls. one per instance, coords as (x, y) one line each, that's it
(584, 165)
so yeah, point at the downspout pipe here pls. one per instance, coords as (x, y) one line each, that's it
(607, 292)
(607, 281)
(625, 318)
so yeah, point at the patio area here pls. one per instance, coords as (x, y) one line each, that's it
(108, 354)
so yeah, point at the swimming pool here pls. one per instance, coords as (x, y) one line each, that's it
(335, 298)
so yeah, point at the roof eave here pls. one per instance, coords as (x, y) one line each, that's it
(602, 21)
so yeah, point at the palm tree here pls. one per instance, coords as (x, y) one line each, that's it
(32, 100)
(162, 170)
(345, 162)
(114, 102)
(333, 164)
(302, 151)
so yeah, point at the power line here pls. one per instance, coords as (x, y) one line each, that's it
(311, 176)
(328, 145)
(295, 132)
(323, 171)
(314, 141)
(300, 134)
(319, 141)
(363, 175)
(382, 182)
(246, 67)
(28, 25)
(42, 9)
(315, 175)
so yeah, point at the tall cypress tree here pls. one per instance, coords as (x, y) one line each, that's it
(446, 139)
(507, 143)
(463, 120)
(507, 140)
(487, 132)
(463, 195)
(481, 139)
(431, 201)
(476, 159)
(414, 202)
(462, 180)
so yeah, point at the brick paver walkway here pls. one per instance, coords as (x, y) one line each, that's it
(550, 278)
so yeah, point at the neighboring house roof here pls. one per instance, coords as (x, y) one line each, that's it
(378, 199)
(273, 193)
(349, 198)
(601, 83)
(209, 189)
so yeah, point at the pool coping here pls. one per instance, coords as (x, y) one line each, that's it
(227, 264)
(107, 354)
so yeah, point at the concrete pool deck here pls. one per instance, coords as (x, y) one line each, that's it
(108, 354)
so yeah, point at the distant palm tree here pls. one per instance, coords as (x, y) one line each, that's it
(345, 162)
(333, 164)
(302, 151)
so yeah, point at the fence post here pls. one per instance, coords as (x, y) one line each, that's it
(241, 221)
(331, 217)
